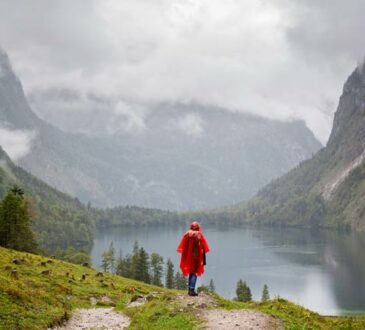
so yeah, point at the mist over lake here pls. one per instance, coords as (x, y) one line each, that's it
(319, 269)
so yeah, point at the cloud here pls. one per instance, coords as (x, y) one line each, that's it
(281, 59)
(191, 124)
(16, 143)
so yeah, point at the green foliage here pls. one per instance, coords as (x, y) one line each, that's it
(58, 220)
(108, 259)
(180, 282)
(169, 281)
(143, 265)
(15, 222)
(243, 292)
(72, 255)
(156, 269)
(211, 286)
(265, 293)
(140, 266)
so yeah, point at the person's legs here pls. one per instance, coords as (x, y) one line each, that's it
(192, 283)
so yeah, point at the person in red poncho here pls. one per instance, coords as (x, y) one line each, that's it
(193, 247)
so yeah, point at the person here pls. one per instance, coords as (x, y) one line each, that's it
(193, 247)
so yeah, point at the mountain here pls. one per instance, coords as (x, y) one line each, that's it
(329, 189)
(59, 220)
(186, 156)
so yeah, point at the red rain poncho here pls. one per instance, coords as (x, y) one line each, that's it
(192, 247)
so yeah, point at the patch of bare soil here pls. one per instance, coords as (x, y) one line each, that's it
(239, 319)
(96, 319)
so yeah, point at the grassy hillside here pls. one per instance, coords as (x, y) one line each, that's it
(37, 292)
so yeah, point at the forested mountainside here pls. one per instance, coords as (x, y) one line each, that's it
(327, 190)
(59, 220)
(185, 157)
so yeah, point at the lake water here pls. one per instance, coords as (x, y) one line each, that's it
(319, 269)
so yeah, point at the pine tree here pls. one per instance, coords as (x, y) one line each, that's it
(211, 286)
(112, 257)
(169, 274)
(157, 269)
(142, 270)
(265, 293)
(108, 259)
(180, 282)
(243, 292)
(134, 261)
(15, 222)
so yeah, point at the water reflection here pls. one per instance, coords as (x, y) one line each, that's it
(322, 270)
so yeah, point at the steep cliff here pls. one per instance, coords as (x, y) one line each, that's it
(329, 189)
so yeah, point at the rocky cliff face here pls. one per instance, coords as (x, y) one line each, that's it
(329, 189)
(187, 157)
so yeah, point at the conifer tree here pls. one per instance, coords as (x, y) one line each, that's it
(142, 270)
(265, 293)
(156, 269)
(180, 282)
(134, 261)
(108, 259)
(169, 274)
(211, 286)
(15, 222)
(243, 292)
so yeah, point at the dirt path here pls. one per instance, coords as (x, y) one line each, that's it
(218, 319)
(96, 319)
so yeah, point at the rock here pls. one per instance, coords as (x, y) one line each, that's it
(46, 272)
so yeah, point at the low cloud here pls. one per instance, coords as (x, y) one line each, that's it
(191, 124)
(16, 143)
(281, 59)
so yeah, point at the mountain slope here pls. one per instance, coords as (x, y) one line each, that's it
(59, 220)
(329, 189)
(186, 157)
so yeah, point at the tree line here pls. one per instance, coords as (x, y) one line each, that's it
(149, 268)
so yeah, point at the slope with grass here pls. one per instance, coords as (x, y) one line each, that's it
(37, 293)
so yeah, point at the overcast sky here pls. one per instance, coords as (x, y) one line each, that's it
(281, 59)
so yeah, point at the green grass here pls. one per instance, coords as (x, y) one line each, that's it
(36, 301)
(296, 317)
(30, 300)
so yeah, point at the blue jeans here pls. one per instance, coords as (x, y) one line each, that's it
(192, 281)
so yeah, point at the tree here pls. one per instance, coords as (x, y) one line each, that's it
(15, 222)
(243, 292)
(134, 260)
(211, 286)
(180, 282)
(265, 293)
(169, 274)
(156, 269)
(108, 259)
(76, 257)
(142, 269)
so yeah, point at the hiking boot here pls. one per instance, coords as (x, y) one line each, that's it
(192, 293)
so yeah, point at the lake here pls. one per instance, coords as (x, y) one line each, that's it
(319, 269)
